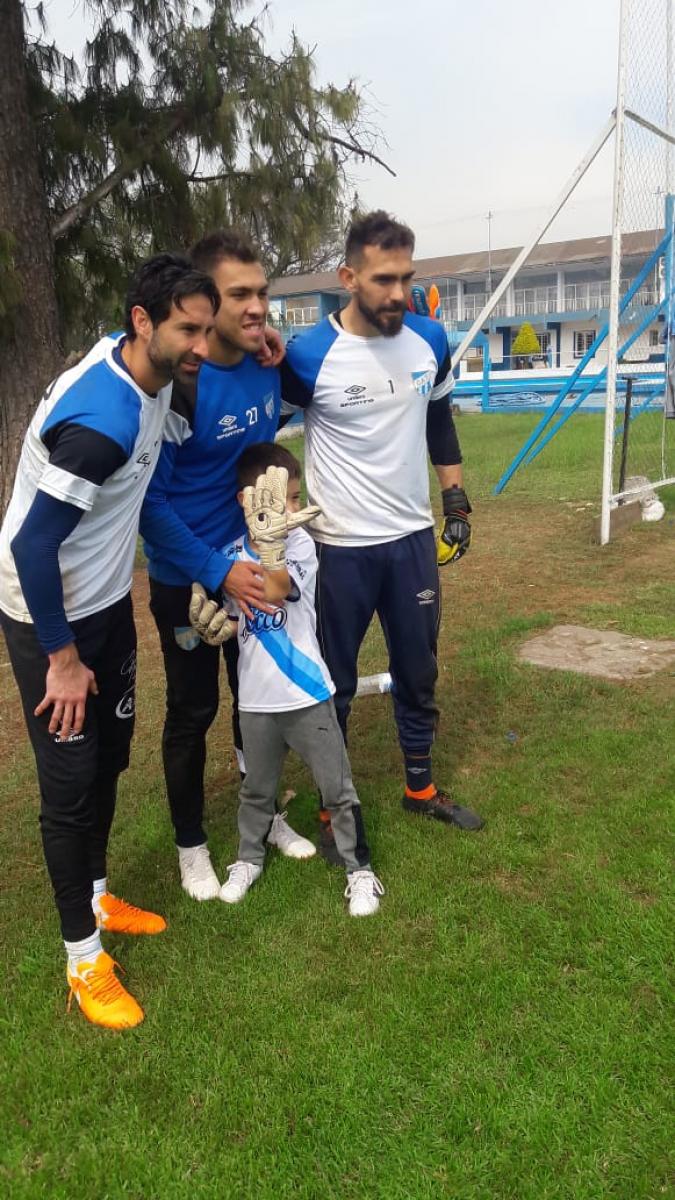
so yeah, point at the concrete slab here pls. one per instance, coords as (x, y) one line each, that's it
(597, 652)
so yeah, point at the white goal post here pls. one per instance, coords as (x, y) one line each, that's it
(644, 179)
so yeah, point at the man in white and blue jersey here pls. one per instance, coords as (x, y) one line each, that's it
(285, 689)
(67, 550)
(374, 381)
(190, 513)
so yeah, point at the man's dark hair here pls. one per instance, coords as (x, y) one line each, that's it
(377, 229)
(162, 281)
(256, 459)
(222, 243)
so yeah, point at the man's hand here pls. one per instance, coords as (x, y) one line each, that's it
(213, 623)
(267, 520)
(272, 350)
(455, 536)
(245, 584)
(67, 686)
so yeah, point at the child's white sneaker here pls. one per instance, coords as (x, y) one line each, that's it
(287, 841)
(242, 876)
(363, 892)
(196, 872)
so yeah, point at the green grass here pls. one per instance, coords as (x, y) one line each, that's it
(499, 1031)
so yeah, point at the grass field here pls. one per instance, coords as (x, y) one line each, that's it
(501, 1029)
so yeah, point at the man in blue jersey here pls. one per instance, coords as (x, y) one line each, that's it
(190, 513)
(374, 381)
(67, 550)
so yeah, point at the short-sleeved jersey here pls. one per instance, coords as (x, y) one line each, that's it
(280, 664)
(191, 508)
(93, 443)
(365, 402)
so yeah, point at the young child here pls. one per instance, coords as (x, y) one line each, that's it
(285, 690)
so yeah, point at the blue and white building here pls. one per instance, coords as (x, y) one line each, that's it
(563, 291)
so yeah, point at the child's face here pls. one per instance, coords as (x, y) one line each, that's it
(293, 496)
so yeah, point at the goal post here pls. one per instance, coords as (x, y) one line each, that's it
(643, 199)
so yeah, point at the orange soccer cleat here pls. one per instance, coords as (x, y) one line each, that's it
(101, 996)
(116, 916)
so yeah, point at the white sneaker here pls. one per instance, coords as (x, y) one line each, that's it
(363, 891)
(242, 876)
(287, 841)
(197, 874)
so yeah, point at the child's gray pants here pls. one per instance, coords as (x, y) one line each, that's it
(315, 735)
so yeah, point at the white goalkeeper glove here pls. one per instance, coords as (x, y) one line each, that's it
(267, 520)
(214, 624)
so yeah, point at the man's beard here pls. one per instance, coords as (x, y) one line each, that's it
(389, 322)
(167, 366)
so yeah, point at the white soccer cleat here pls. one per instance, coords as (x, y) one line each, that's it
(287, 841)
(242, 876)
(363, 892)
(197, 874)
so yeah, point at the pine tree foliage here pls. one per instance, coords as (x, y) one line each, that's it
(526, 341)
(178, 120)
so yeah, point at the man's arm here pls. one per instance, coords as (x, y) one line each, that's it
(449, 476)
(164, 529)
(80, 460)
(446, 456)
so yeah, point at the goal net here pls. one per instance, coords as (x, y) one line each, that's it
(639, 454)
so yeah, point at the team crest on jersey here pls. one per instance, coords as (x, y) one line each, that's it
(423, 382)
(268, 401)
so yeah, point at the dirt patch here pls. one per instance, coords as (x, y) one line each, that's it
(512, 885)
(597, 652)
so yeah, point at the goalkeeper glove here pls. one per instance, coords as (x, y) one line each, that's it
(267, 520)
(455, 536)
(213, 624)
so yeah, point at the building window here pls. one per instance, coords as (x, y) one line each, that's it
(654, 337)
(545, 341)
(302, 311)
(583, 340)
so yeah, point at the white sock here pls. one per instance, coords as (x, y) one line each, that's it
(100, 887)
(85, 951)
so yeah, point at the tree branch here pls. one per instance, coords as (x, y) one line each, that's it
(76, 213)
(216, 178)
(354, 148)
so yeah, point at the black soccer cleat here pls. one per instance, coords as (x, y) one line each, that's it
(327, 847)
(442, 808)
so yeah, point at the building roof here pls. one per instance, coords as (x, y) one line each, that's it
(459, 266)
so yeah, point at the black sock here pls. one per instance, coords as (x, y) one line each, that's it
(417, 772)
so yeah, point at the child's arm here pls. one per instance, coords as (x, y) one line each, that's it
(278, 584)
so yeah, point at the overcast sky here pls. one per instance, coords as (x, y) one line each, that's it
(483, 105)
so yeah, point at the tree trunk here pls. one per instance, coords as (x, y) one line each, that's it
(30, 351)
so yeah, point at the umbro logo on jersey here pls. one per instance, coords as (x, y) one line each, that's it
(423, 382)
(268, 401)
(144, 460)
(426, 597)
(229, 426)
(356, 396)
